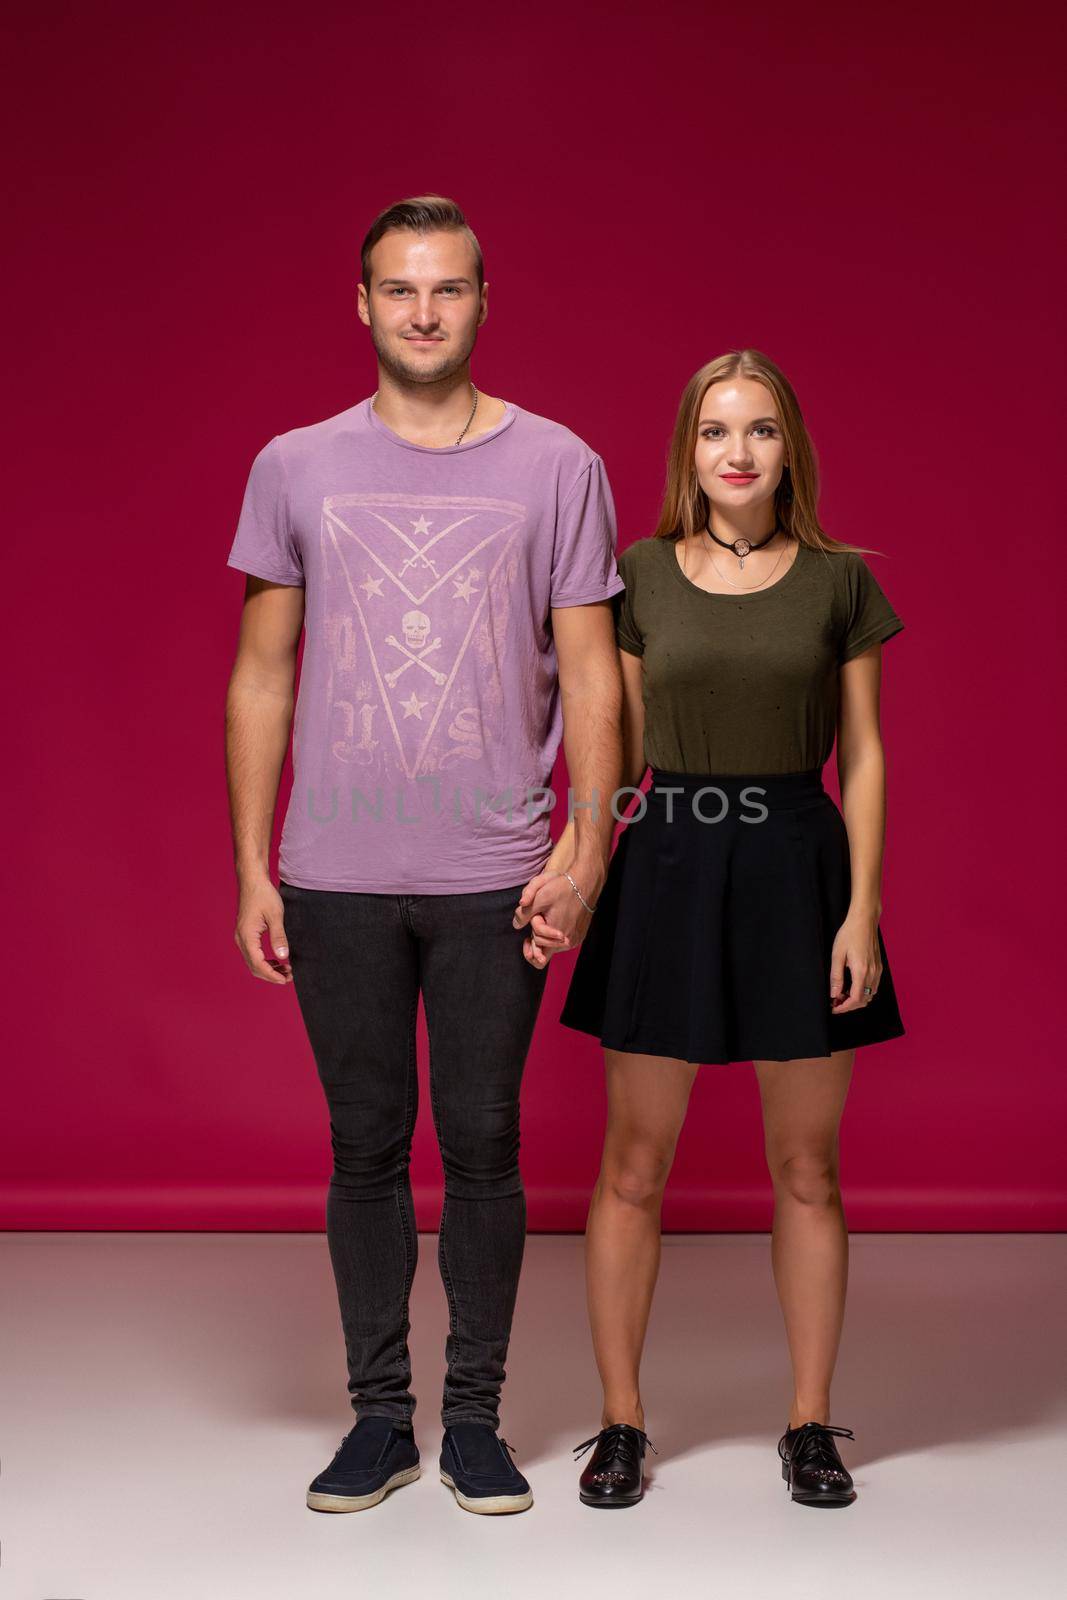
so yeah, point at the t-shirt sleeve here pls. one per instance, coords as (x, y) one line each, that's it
(583, 553)
(264, 544)
(627, 633)
(869, 618)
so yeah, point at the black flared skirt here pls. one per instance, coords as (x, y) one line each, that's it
(713, 934)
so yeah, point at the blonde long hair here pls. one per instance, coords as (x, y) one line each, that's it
(686, 507)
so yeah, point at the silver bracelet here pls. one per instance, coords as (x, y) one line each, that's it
(578, 892)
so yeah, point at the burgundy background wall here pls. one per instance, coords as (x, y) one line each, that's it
(865, 193)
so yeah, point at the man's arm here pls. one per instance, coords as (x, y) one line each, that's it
(591, 694)
(634, 765)
(259, 714)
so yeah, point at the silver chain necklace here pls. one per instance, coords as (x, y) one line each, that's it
(470, 419)
(747, 588)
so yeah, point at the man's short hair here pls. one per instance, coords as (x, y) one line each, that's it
(426, 213)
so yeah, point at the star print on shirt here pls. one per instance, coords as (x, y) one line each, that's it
(372, 586)
(465, 586)
(422, 526)
(412, 707)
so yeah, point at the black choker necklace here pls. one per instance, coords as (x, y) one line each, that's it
(742, 547)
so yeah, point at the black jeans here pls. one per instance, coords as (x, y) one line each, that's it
(358, 963)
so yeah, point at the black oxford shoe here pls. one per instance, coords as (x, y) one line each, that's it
(812, 1469)
(614, 1473)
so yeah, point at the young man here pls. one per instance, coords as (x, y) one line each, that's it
(450, 558)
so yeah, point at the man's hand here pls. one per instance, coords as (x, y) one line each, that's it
(554, 914)
(260, 909)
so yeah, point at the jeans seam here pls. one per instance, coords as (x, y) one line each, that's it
(441, 1256)
(409, 1262)
(446, 1278)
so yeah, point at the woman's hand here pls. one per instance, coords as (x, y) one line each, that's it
(856, 946)
(556, 917)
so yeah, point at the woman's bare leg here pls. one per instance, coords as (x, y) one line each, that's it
(802, 1106)
(647, 1100)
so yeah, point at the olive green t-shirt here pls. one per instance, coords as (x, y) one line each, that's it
(745, 683)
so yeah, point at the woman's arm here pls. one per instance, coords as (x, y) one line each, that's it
(861, 772)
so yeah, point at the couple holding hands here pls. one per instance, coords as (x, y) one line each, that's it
(450, 559)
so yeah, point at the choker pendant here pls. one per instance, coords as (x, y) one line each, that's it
(740, 547)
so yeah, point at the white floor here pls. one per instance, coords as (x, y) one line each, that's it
(167, 1397)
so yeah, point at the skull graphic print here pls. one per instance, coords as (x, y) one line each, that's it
(416, 616)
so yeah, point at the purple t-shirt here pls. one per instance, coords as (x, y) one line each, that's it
(428, 717)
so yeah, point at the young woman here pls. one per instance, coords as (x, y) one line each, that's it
(739, 918)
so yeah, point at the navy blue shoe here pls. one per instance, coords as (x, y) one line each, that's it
(478, 1469)
(373, 1457)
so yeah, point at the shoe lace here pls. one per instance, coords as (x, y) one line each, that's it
(617, 1445)
(813, 1446)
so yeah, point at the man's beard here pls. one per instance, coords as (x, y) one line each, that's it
(450, 362)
